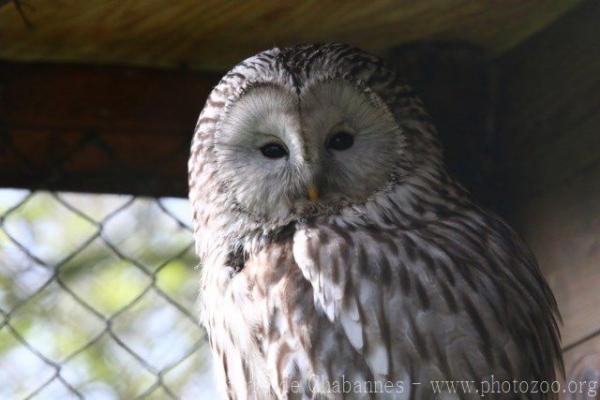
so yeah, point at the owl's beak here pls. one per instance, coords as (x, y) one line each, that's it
(313, 192)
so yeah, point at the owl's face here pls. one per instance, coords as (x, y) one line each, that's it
(284, 155)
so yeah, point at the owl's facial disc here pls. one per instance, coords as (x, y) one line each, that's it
(283, 156)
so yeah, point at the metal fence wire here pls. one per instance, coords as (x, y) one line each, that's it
(97, 294)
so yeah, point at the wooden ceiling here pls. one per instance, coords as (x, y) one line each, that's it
(213, 35)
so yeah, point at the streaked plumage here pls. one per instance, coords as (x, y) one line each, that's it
(393, 275)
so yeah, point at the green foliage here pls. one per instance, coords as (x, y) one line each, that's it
(104, 287)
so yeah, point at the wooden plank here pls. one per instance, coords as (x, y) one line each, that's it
(549, 97)
(98, 129)
(215, 34)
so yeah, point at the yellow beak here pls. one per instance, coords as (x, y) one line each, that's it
(313, 192)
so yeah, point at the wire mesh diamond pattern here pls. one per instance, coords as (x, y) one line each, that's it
(97, 297)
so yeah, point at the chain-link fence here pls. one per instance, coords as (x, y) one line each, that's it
(97, 291)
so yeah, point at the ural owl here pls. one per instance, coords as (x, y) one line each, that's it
(339, 258)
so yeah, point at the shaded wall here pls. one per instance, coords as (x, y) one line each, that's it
(548, 116)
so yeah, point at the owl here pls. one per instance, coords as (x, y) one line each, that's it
(339, 258)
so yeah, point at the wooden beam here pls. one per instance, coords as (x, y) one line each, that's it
(128, 130)
(215, 34)
(98, 129)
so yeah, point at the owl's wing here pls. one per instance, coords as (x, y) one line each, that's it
(350, 278)
(450, 302)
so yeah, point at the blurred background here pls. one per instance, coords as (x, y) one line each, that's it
(97, 298)
(98, 102)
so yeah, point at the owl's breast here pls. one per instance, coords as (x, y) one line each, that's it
(369, 306)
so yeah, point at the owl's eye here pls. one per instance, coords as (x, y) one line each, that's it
(341, 141)
(273, 150)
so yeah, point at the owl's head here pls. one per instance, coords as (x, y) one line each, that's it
(304, 131)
